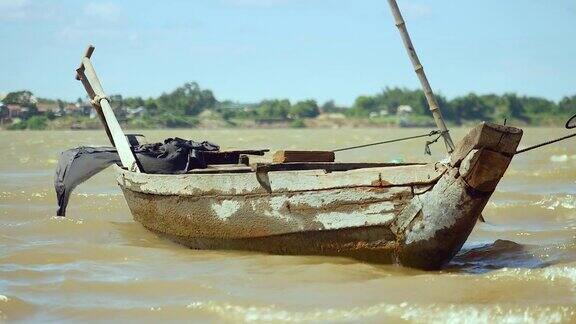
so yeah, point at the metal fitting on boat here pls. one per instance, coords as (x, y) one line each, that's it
(97, 98)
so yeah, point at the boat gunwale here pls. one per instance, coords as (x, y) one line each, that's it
(283, 167)
(246, 184)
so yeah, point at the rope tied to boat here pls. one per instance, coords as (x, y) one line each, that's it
(571, 123)
(529, 148)
(427, 149)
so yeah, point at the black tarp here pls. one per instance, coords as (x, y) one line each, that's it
(174, 156)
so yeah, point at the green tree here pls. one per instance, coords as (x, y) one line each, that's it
(24, 98)
(151, 106)
(297, 123)
(61, 104)
(535, 105)
(36, 122)
(514, 106)
(274, 109)
(392, 98)
(364, 105)
(187, 100)
(328, 107)
(471, 107)
(567, 106)
(305, 109)
(134, 102)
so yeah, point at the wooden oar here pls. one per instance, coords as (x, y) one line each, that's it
(87, 75)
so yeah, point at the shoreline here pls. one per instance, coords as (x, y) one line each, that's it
(269, 128)
(80, 123)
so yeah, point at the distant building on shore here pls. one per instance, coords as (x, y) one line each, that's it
(404, 110)
(45, 107)
(16, 110)
(135, 112)
(81, 108)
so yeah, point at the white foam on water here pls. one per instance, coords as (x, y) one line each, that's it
(550, 274)
(559, 158)
(3, 299)
(434, 313)
(553, 202)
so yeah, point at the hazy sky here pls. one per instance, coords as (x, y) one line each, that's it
(248, 50)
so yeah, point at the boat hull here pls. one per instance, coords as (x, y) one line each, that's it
(415, 215)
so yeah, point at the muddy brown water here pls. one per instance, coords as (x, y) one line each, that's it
(97, 264)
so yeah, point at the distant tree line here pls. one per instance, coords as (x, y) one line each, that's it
(183, 107)
(471, 107)
(190, 100)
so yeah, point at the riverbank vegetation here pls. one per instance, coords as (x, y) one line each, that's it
(191, 106)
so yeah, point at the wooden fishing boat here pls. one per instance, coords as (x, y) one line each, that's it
(414, 214)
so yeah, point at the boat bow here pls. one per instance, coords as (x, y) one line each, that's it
(432, 228)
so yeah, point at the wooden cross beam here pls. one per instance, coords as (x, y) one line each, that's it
(87, 75)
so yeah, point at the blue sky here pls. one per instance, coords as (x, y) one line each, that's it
(248, 50)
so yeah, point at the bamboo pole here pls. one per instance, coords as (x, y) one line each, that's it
(419, 69)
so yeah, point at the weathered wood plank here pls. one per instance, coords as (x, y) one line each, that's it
(303, 156)
(482, 169)
(491, 136)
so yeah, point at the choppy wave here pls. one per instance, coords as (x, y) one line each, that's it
(562, 158)
(550, 201)
(13, 308)
(497, 255)
(554, 202)
(434, 313)
(549, 274)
